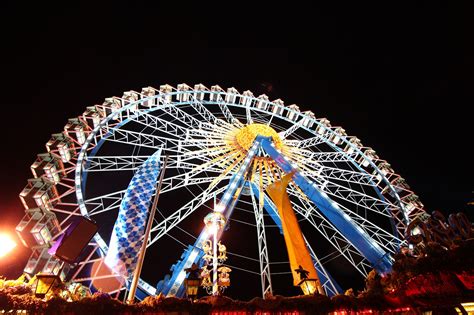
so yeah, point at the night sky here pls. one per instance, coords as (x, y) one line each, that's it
(398, 77)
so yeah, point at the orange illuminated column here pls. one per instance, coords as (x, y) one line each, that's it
(297, 251)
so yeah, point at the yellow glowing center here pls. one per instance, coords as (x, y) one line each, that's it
(246, 136)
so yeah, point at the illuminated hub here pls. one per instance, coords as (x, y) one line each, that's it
(246, 135)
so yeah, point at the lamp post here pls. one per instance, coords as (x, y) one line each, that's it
(192, 282)
(307, 285)
(214, 221)
(44, 282)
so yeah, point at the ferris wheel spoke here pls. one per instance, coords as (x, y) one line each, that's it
(106, 203)
(181, 132)
(319, 169)
(185, 180)
(206, 114)
(111, 201)
(139, 139)
(187, 118)
(178, 216)
(248, 114)
(225, 110)
(115, 163)
(327, 156)
(315, 169)
(160, 124)
(336, 239)
(305, 143)
(202, 143)
(377, 206)
(379, 235)
(284, 134)
(133, 162)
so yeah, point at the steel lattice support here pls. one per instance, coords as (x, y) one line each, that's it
(262, 246)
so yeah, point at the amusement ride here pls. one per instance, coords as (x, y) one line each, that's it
(233, 160)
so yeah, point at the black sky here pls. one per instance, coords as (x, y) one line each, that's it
(398, 77)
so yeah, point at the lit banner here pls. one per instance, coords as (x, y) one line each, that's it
(297, 251)
(127, 236)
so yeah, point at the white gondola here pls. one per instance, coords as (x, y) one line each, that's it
(48, 165)
(262, 102)
(324, 123)
(148, 92)
(111, 105)
(385, 168)
(45, 228)
(337, 135)
(400, 184)
(184, 94)
(246, 98)
(369, 155)
(292, 113)
(199, 92)
(61, 145)
(353, 142)
(412, 202)
(215, 90)
(231, 95)
(75, 130)
(39, 192)
(37, 261)
(278, 107)
(23, 229)
(165, 96)
(92, 117)
(308, 120)
(131, 97)
(41, 261)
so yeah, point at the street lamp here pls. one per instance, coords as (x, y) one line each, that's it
(193, 281)
(44, 282)
(215, 222)
(307, 285)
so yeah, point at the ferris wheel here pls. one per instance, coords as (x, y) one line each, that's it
(223, 149)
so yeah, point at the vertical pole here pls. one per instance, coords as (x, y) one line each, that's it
(215, 288)
(141, 255)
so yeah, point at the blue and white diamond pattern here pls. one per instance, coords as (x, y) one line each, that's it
(127, 235)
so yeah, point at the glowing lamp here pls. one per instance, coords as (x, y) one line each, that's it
(44, 282)
(308, 286)
(6, 244)
(219, 207)
(214, 221)
(193, 281)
